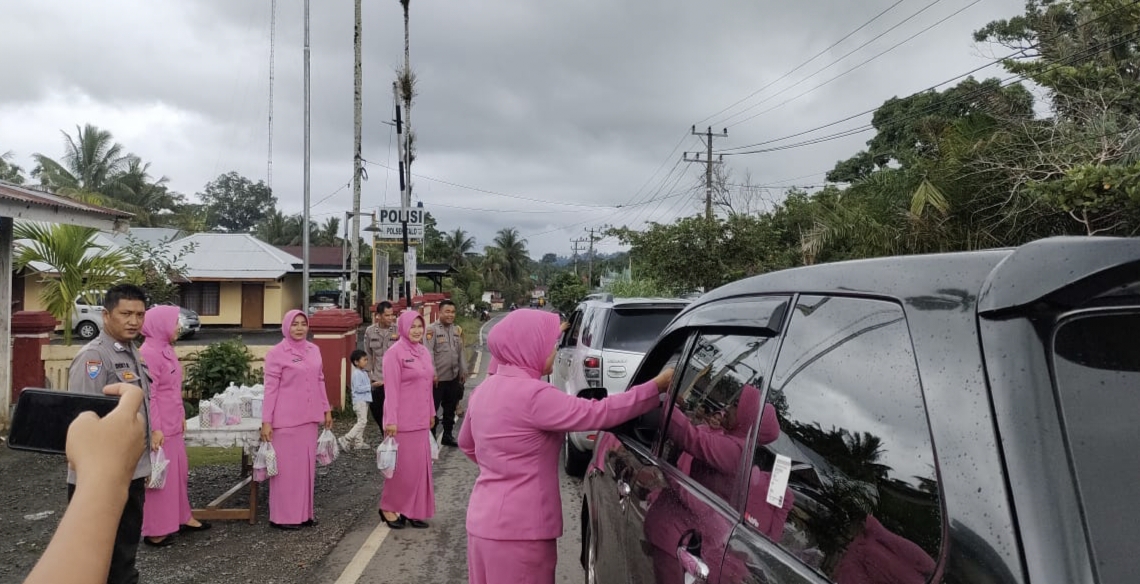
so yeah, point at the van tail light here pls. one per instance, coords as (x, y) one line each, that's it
(592, 367)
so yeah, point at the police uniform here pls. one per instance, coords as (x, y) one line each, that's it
(377, 341)
(446, 345)
(102, 362)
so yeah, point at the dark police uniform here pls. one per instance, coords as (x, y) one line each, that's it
(105, 361)
(446, 345)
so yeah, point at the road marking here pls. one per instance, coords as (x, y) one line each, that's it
(355, 569)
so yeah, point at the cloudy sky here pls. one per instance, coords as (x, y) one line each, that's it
(552, 117)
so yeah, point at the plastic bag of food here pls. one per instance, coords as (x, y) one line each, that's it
(158, 464)
(434, 446)
(327, 449)
(231, 406)
(386, 457)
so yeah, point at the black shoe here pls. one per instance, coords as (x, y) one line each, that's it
(187, 528)
(448, 440)
(310, 523)
(400, 523)
(416, 523)
(166, 541)
(285, 526)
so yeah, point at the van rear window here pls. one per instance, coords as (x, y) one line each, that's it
(1097, 371)
(635, 329)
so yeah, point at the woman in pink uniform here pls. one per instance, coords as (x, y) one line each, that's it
(294, 407)
(408, 497)
(166, 510)
(513, 430)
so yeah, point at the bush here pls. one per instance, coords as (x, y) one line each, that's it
(217, 366)
(644, 288)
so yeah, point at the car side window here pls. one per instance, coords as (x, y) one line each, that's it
(587, 331)
(846, 426)
(571, 338)
(717, 405)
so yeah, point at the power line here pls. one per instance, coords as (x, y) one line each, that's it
(893, 47)
(479, 190)
(802, 65)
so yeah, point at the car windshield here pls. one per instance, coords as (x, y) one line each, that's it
(635, 329)
(1097, 371)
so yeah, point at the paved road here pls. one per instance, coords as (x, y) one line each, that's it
(370, 553)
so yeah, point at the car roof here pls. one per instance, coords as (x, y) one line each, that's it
(994, 280)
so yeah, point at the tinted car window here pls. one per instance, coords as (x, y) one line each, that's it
(1097, 370)
(634, 330)
(717, 406)
(861, 497)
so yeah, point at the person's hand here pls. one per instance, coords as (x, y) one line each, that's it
(108, 448)
(435, 380)
(664, 380)
(377, 383)
(462, 379)
(564, 326)
(266, 432)
(390, 430)
(156, 440)
(431, 424)
(328, 420)
(183, 425)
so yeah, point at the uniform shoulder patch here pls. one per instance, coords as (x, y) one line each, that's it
(93, 368)
(430, 333)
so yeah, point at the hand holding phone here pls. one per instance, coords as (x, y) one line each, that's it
(111, 445)
(42, 417)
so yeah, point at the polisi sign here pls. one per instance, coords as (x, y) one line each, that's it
(390, 222)
(397, 215)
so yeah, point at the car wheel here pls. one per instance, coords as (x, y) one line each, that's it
(576, 460)
(87, 330)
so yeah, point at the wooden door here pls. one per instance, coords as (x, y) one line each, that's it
(252, 305)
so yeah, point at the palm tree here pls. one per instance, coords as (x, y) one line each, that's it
(79, 263)
(10, 172)
(516, 258)
(456, 245)
(493, 267)
(92, 163)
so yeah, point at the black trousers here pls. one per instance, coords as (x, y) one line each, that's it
(448, 394)
(377, 407)
(127, 538)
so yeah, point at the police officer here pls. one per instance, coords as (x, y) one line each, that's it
(112, 358)
(445, 339)
(378, 338)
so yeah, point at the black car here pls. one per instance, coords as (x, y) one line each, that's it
(963, 418)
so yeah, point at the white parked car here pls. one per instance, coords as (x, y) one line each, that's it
(600, 352)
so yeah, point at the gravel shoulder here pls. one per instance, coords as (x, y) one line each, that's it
(33, 497)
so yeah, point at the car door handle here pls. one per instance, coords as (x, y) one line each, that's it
(695, 569)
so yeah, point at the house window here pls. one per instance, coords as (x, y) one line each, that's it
(202, 297)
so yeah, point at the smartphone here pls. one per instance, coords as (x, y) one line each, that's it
(43, 416)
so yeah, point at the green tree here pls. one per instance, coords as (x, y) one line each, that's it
(456, 245)
(78, 262)
(92, 163)
(9, 171)
(236, 203)
(157, 267)
(566, 291)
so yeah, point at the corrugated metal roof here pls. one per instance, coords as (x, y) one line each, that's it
(151, 235)
(29, 196)
(235, 256)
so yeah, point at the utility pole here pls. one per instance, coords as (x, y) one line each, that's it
(576, 250)
(592, 239)
(709, 162)
(353, 246)
(305, 220)
(272, 59)
(406, 204)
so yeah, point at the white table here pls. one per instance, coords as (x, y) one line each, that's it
(246, 435)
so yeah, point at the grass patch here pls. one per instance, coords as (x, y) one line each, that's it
(205, 456)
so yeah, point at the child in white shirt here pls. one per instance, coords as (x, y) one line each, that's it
(361, 397)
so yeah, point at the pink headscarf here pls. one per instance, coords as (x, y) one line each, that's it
(404, 326)
(524, 340)
(158, 328)
(297, 347)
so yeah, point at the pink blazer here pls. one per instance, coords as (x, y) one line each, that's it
(166, 411)
(408, 374)
(294, 387)
(513, 429)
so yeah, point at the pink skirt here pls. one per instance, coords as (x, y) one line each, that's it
(167, 509)
(494, 561)
(291, 491)
(411, 491)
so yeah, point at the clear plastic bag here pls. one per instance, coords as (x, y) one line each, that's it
(327, 448)
(204, 408)
(264, 462)
(434, 446)
(231, 407)
(158, 464)
(386, 457)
